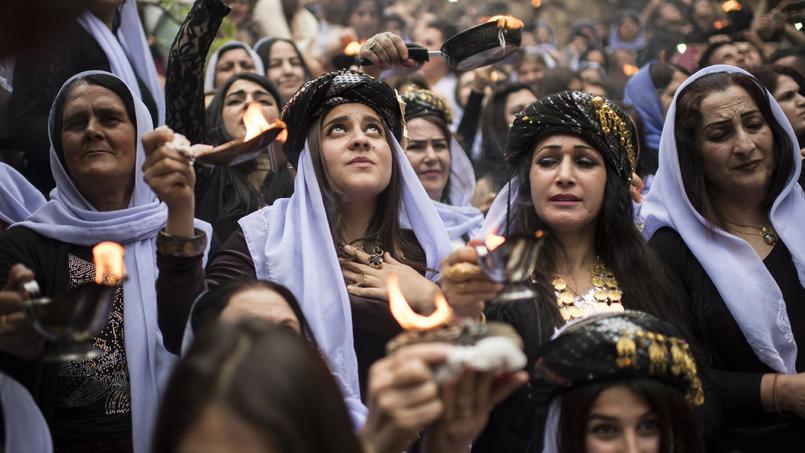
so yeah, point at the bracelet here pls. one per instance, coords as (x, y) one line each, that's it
(774, 394)
(181, 246)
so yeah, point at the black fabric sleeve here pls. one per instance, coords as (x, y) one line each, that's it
(468, 127)
(184, 79)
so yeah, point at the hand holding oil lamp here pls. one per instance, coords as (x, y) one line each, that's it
(510, 261)
(70, 320)
(481, 346)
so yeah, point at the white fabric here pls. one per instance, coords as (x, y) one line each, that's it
(18, 197)
(128, 53)
(496, 216)
(748, 289)
(70, 218)
(550, 442)
(25, 427)
(209, 75)
(290, 244)
(462, 175)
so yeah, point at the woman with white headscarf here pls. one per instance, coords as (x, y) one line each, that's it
(18, 198)
(106, 403)
(231, 58)
(357, 215)
(108, 37)
(440, 163)
(725, 213)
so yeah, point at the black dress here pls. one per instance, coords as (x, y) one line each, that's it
(737, 371)
(38, 76)
(87, 403)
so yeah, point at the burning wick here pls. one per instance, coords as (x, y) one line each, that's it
(108, 260)
(510, 22)
(408, 318)
(352, 49)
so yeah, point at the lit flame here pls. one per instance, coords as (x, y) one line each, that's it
(536, 3)
(352, 49)
(730, 6)
(510, 22)
(630, 69)
(493, 241)
(408, 318)
(108, 260)
(255, 122)
(719, 24)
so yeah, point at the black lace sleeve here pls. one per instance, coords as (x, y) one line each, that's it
(184, 81)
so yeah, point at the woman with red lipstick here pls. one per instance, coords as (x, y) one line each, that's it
(572, 155)
(725, 214)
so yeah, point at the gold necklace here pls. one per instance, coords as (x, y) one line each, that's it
(606, 293)
(766, 232)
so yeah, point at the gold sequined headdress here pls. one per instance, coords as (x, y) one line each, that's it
(597, 120)
(620, 346)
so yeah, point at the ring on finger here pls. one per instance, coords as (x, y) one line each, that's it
(372, 45)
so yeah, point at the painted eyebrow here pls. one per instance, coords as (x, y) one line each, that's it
(601, 417)
(719, 123)
(365, 119)
(559, 147)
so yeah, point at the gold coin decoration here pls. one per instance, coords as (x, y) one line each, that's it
(606, 292)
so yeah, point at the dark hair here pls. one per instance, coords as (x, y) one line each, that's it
(384, 226)
(689, 118)
(646, 160)
(556, 80)
(414, 79)
(704, 60)
(264, 52)
(446, 28)
(108, 81)
(269, 378)
(495, 134)
(207, 309)
(769, 76)
(235, 196)
(677, 425)
(663, 73)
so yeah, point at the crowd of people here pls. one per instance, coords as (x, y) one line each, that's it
(654, 156)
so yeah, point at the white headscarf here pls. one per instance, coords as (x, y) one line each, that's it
(748, 289)
(24, 426)
(70, 218)
(128, 52)
(18, 197)
(209, 75)
(462, 175)
(290, 244)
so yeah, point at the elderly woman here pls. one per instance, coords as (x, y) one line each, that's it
(285, 66)
(726, 203)
(788, 88)
(573, 156)
(18, 198)
(607, 398)
(233, 57)
(105, 403)
(353, 185)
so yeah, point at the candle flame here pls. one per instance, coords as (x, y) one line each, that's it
(352, 49)
(108, 260)
(493, 241)
(536, 3)
(539, 234)
(510, 22)
(408, 318)
(719, 24)
(630, 69)
(730, 6)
